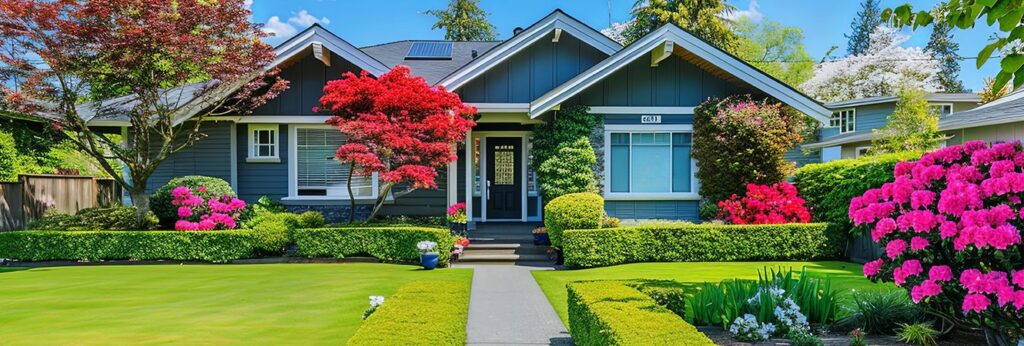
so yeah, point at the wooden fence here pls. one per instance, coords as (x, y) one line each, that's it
(33, 195)
(862, 249)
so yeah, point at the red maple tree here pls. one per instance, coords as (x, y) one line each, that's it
(397, 126)
(168, 60)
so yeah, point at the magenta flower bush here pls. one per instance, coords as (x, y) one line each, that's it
(950, 225)
(198, 214)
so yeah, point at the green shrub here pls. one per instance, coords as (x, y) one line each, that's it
(272, 236)
(392, 244)
(420, 313)
(406, 220)
(803, 339)
(573, 211)
(880, 312)
(570, 170)
(311, 219)
(920, 334)
(737, 141)
(213, 246)
(668, 293)
(829, 187)
(9, 157)
(612, 313)
(683, 242)
(571, 123)
(93, 219)
(160, 202)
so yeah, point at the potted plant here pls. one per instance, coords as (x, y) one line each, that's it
(540, 236)
(460, 246)
(457, 218)
(428, 257)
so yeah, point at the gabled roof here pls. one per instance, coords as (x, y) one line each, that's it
(931, 97)
(393, 54)
(1009, 109)
(694, 45)
(542, 29)
(316, 34)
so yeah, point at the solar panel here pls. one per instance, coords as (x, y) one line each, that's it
(430, 51)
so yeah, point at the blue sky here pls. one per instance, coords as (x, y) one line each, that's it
(364, 22)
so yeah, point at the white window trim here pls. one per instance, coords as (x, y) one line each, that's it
(679, 196)
(856, 151)
(293, 181)
(951, 108)
(842, 129)
(253, 157)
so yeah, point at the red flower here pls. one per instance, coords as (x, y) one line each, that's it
(765, 204)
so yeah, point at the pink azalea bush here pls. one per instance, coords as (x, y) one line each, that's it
(198, 214)
(765, 204)
(950, 225)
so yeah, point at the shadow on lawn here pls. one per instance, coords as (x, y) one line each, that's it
(12, 269)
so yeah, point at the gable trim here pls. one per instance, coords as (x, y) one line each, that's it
(317, 35)
(555, 21)
(672, 33)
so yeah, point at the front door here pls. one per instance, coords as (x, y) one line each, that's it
(504, 179)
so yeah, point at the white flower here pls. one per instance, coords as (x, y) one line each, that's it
(376, 301)
(426, 246)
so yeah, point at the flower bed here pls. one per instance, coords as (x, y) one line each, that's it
(420, 313)
(216, 246)
(613, 313)
(684, 242)
(392, 244)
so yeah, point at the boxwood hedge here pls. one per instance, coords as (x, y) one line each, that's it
(420, 313)
(216, 246)
(613, 313)
(685, 242)
(582, 210)
(393, 244)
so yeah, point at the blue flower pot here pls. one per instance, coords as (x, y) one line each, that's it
(429, 260)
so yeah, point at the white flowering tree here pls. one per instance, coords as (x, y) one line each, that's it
(881, 70)
(615, 32)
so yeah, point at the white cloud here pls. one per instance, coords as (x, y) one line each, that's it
(753, 12)
(283, 29)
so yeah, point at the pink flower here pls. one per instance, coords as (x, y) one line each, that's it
(883, 228)
(1005, 295)
(184, 212)
(201, 189)
(181, 192)
(872, 268)
(912, 267)
(185, 225)
(948, 230)
(895, 248)
(940, 273)
(918, 243)
(975, 302)
(926, 289)
(922, 199)
(1018, 278)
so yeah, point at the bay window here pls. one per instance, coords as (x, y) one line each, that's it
(653, 163)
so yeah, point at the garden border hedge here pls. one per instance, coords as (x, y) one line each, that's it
(613, 313)
(681, 242)
(392, 244)
(420, 313)
(213, 246)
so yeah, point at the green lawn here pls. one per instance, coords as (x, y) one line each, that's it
(845, 276)
(196, 304)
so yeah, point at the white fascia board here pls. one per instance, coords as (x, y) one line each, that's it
(283, 119)
(694, 45)
(501, 107)
(540, 30)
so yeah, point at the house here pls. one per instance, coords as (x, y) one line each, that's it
(646, 93)
(850, 129)
(1001, 120)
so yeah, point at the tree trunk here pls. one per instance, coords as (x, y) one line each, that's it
(380, 200)
(140, 199)
(351, 197)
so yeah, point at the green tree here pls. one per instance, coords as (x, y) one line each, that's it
(570, 170)
(700, 17)
(868, 18)
(775, 49)
(946, 51)
(463, 20)
(912, 127)
(964, 15)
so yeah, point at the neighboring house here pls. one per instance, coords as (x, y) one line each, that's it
(850, 129)
(1001, 120)
(646, 93)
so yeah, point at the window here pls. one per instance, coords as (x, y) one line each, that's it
(845, 120)
(860, 151)
(263, 143)
(650, 162)
(941, 109)
(318, 173)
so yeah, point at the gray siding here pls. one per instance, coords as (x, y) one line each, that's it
(262, 179)
(674, 83)
(646, 210)
(532, 71)
(209, 156)
(307, 77)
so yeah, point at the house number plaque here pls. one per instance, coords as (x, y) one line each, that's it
(504, 166)
(650, 119)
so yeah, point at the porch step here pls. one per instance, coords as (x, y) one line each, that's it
(500, 238)
(471, 257)
(523, 251)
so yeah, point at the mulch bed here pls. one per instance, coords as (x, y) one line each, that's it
(721, 337)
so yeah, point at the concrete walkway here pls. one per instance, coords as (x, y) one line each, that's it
(507, 307)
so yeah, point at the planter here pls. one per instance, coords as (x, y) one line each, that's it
(457, 229)
(541, 239)
(429, 260)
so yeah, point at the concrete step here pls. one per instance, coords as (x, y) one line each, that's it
(523, 251)
(483, 245)
(469, 257)
(503, 238)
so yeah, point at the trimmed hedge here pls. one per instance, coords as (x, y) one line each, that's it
(829, 187)
(420, 313)
(160, 201)
(684, 242)
(89, 219)
(612, 313)
(583, 210)
(393, 244)
(214, 246)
